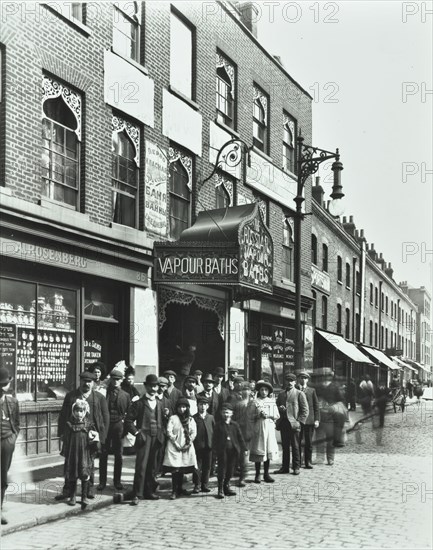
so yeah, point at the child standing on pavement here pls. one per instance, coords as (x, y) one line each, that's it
(79, 445)
(180, 457)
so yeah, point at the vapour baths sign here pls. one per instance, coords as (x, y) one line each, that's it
(155, 209)
(244, 260)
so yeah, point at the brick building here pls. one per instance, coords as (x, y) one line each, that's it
(357, 301)
(112, 117)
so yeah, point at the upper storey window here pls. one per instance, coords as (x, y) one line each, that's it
(225, 91)
(126, 29)
(260, 120)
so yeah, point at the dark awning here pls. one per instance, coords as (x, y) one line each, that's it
(345, 347)
(228, 246)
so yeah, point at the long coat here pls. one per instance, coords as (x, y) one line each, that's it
(173, 458)
(263, 441)
(313, 406)
(98, 414)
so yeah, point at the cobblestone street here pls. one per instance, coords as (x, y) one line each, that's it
(373, 497)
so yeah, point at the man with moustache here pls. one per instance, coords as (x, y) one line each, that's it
(145, 420)
(210, 394)
(312, 421)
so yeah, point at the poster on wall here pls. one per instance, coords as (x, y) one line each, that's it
(92, 351)
(155, 209)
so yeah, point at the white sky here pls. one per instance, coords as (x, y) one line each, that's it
(367, 55)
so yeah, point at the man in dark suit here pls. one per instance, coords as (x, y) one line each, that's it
(312, 422)
(222, 392)
(171, 392)
(229, 384)
(213, 397)
(98, 415)
(228, 443)
(9, 427)
(145, 420)
(293, 408)
(203, 445)
(118, 402)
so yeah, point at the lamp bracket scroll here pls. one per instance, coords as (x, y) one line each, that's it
(229, 155)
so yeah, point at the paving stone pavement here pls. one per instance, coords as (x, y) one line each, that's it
(372, 497)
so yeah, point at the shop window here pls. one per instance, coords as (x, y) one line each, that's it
(180, 192)
(38, 326)
(347, 326)
(277, 353)
(181, 56)
(260, 120)
(324, 257)
(339, 269)
(125, 166)
(288, 251)
(224, 191)
(339, 318)
(324, 312)
(225, 91)
(347, 275)
(61, 136)
(289, 134)
(126, 29)
(313, 249)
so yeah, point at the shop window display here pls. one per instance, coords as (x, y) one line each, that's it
(38, 338)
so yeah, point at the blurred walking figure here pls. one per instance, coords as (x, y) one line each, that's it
(9, 428)
(379, 408)
(351, 395)
(366, 394)
(241, 399)
(325, 431)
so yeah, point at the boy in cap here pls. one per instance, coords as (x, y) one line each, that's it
(198, 375)
(172, 392)
(203, 445)
(118, 402)
(145, 420)
(189, 392)
(293, 408)
(228, 443)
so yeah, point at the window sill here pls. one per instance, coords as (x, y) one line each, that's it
(5, 191)
(288, 283)
(340, 282)
(227, 129)
(289, 173)
(134, 63)
(262, 154)
(183, 97)
(52, 203)
(347, 287)
(71, 21)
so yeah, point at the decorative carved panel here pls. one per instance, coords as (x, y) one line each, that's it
(120, 125)
(186, 161)
(227, 184)
(258, 94)
(52, 89)
(230, 70)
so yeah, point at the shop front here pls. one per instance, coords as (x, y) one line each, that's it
(202, 281)
(61, 308)
(343, 357)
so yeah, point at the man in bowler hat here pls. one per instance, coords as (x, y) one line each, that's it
(293, 408)
(210, 394)
(145, 420)
(312, 422)
(98, 415)
(10, 427)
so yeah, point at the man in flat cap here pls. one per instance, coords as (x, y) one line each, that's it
(145, 420)
(312, 421)
(229, 384)
(198, 375)
(219, 388)
(98, 416)
(118, 402)
(293, 408)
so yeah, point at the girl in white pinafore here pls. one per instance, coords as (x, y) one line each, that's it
(180, 457)
(263, 414)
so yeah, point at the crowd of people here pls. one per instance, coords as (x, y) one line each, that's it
(200, 424)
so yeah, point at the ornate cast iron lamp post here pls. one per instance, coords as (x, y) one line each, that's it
(308, 160)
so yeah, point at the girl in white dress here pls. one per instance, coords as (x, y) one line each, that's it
(263, 414)
(180, 457)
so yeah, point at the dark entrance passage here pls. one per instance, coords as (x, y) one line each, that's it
(190, 339)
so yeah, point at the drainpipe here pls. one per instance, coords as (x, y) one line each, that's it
(380, 315)
(361, 297)
(354, 260)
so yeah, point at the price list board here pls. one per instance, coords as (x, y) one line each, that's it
(8, 347)
(277, 351)
(92, 351)
(55, 349)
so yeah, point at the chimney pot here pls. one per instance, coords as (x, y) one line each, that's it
(351, 219)
(249, 16)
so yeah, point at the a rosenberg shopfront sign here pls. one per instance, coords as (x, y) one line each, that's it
(245, 259)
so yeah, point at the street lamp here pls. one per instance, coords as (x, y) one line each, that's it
(308, 160)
